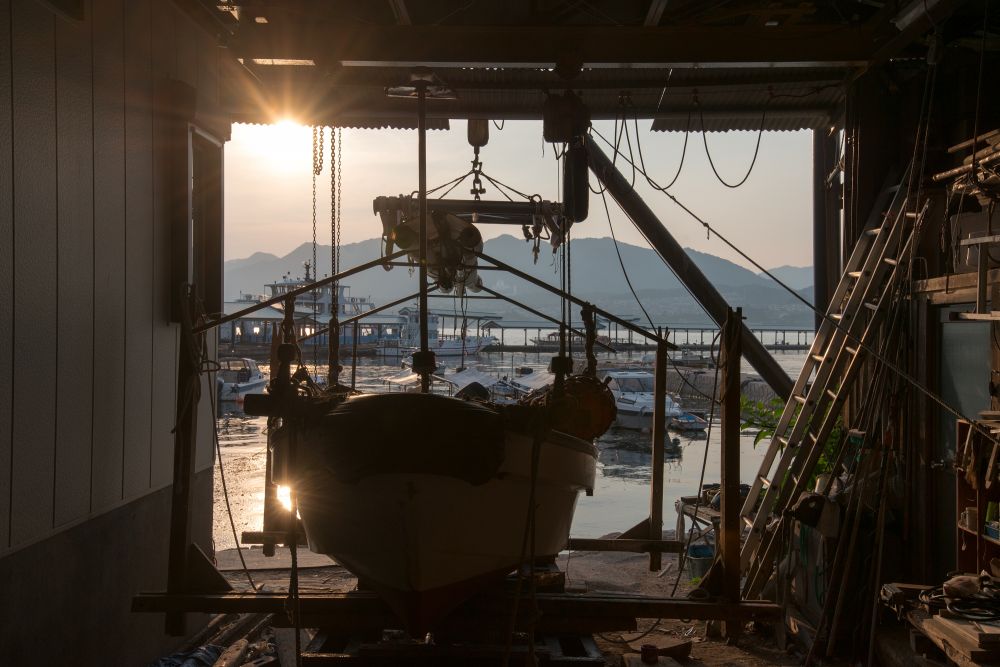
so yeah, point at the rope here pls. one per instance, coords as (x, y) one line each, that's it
(896, 369)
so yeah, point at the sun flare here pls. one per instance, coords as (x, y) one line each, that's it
(282, 146)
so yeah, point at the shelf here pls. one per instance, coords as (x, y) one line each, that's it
(985, 537)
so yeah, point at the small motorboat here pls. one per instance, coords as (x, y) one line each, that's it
(237, 377)
(634, 398)
(688, 422)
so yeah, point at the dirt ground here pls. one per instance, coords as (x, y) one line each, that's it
(593, 571)
(586, 571)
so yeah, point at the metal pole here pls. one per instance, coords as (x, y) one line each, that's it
(382, 261)
(659, 436)
(689, 274)
(652, 335)
(731, 501)
(821, 291)
(425, 377)
(540, 314)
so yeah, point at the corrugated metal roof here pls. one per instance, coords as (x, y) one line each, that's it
(730, 98)
(359, 123)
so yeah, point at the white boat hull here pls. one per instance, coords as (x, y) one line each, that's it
(427, 541)
(638, 418)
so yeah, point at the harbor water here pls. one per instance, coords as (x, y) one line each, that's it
(621, 496)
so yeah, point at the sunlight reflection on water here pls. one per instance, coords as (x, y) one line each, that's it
(621, 496)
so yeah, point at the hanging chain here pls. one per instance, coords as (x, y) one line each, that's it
(340, 180)
(317, 168)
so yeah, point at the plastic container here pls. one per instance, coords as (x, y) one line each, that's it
(699, 559)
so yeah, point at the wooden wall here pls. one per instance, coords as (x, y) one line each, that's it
(87, 355)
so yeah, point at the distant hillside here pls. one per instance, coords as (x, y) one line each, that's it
(796, 277)
(596, 276)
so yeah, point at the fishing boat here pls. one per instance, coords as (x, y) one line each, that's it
(688, 423)
(237, 377)
(634, 398)
(428, 515)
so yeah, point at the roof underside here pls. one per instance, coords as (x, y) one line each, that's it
(724, 65)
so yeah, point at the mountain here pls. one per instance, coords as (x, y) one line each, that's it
(796, 277)
(595, 271)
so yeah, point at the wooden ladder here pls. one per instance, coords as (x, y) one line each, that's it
(837, 354)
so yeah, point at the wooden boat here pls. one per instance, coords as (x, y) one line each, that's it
(425, 498)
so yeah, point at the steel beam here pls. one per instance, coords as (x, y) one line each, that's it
(687, 272)
(682, 46)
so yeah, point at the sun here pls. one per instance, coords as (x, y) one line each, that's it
(283, 146)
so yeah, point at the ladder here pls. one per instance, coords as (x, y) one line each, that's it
(835, 357)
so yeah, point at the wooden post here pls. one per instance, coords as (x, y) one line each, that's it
(731, 502)
(659, 436)
(184, 451)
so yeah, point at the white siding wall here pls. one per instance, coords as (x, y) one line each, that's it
(87, 355)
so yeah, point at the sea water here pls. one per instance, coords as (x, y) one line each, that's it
(621, 495)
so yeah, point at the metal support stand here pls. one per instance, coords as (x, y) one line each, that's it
(689, 274)
(423, 361)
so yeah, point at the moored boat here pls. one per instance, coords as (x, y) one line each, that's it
(237, 377)
(688, 422)
(635, 400)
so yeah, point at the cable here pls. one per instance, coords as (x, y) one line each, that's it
(756, 150)
(642, 161)
(225, 489)
(701, 478)
(621, 263)
(896, 369)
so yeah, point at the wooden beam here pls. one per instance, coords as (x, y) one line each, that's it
(687, 272)
(659, 436)
(545, 46)
(640, 546)
(360, 604)
(730, 525)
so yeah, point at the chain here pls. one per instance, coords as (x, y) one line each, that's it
(336, 149)
(317, 167)
(340, 180)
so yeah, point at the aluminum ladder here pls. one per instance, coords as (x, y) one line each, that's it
(824, 383)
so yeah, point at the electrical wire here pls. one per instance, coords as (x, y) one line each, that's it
(621, 263)
(895, 368)
(756, 150)
(225, 492)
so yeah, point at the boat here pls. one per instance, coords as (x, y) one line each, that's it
(443, 345)
(237, 377)
(634, 398)
(688, 422)
(426, 516)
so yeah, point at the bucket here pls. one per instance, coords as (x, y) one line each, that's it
(699, 559)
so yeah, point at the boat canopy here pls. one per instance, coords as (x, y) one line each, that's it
(463, 379)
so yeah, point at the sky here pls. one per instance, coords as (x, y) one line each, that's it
(268, 186)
